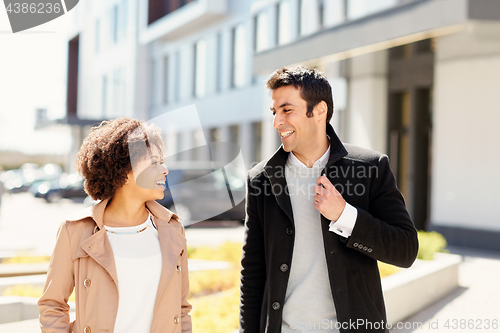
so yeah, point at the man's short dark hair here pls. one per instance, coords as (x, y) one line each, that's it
(313, 85)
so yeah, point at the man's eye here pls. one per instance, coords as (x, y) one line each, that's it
(274, 113)
(287, 110)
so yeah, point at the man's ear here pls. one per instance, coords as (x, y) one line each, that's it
(321, 109)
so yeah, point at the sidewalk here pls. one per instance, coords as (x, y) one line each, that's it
(477, 299)
(471, 307)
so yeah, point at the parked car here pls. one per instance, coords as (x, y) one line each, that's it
(67, 186)
(198, 192)
(20, 180)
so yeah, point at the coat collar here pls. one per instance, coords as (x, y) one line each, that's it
(96, 212)
(172, 240)
(275, 169)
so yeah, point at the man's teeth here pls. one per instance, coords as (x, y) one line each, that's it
(283, 134)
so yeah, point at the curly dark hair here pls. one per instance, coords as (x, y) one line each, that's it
(314, 86)
(104, 159)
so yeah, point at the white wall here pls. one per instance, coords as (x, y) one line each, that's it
(466, 152)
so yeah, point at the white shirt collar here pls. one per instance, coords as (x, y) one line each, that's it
(293, 160)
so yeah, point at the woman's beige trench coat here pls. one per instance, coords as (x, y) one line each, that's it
(83, 259)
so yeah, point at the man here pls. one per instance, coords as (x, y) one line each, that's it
(319, 215)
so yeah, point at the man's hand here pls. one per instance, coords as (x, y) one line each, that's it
(327, 199)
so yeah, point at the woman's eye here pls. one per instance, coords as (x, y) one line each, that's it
(288, 110)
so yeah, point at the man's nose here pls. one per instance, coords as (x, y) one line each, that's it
(277, 121)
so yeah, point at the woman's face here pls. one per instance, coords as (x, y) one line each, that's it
(149, 174)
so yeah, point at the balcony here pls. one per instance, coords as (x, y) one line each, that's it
(191, 17)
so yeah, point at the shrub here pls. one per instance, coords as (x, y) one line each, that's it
(430, 243)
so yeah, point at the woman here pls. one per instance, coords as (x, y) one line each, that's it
(126, 256)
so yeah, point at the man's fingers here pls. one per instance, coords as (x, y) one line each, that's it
(324, 182)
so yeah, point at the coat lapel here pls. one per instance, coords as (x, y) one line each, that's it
(99, 248)
(172, 243)
(275, 170)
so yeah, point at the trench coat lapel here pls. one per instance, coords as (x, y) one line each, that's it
(98, 246)
(172, 243)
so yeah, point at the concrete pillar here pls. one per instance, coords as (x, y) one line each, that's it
(367, 119)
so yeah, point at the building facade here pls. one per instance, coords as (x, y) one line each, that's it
(415, 79)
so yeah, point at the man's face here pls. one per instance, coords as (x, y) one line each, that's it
(297, 131)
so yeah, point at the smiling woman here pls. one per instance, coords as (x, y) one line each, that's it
(126, 257)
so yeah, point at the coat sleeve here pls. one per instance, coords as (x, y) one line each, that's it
(186, 325)
(53, 305)
(253, 268)
(385, 231)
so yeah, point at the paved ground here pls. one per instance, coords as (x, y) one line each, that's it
(473, 307)
(32, 224)
(29, 224)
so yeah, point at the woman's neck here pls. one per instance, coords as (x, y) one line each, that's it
(125, 211)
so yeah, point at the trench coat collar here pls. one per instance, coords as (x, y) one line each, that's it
(172, 241)
(275, 169)
(96, 212)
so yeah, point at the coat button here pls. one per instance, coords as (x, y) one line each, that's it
(276, 306)
(177, 320)
(289, 231)
(178, 268)
(369, 250)
(86, 284)
(360, 246)
(87, 329)
(355, 244)
(283, 267)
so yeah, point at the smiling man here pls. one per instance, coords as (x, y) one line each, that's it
(319, 215)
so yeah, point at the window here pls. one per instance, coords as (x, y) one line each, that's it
(239, 56)
(200, 68)
(360, 8)
(308, 17)
(177, 76)
(97, 35)
(117, 86)
(124, 18)
(152, 84)
(218, 69)
(334, 12)
(165, 80)
(104, 96)
(261, 32)
(284, 22)
(115, 23)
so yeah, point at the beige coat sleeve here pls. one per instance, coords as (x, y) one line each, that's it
(186, 324)
(53, 305)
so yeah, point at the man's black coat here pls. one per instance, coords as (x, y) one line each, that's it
(383, 231)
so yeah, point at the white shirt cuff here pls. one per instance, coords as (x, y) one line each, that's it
(346, 222)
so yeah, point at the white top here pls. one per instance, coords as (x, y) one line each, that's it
(347, 220)
(309, 303)
(138, 266)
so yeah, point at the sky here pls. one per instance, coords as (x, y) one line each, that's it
(33, 75)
